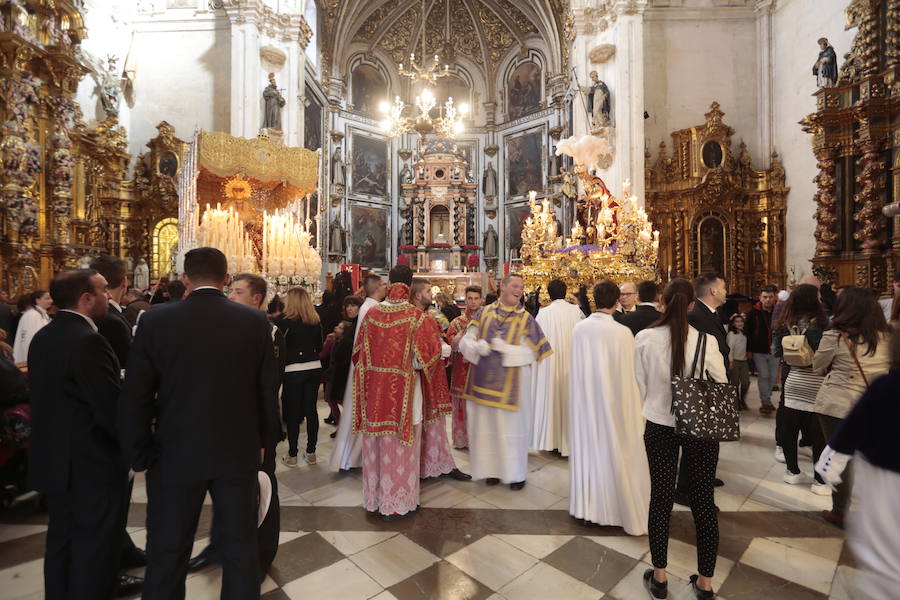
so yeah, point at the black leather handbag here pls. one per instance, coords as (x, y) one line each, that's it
(703, 408)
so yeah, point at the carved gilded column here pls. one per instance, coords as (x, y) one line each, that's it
(827, 243)
(869, 200)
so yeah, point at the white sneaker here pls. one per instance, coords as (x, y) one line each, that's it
(310, 458)
(779, 454)
(793, 478)
(820, 489)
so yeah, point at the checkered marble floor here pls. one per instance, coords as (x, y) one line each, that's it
(474, 541)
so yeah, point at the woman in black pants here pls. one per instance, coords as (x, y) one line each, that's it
(662, 350)
(302, 373)
(803, 314)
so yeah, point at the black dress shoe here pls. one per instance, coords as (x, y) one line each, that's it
(657, 589)
(328, 420)
(518, 485)
(201, 561)
(459, 475)
(133, 559)
(128, 585)
(718, 482)
(491, 481)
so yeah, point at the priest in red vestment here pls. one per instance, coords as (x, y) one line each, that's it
(436, 459)
(397, 360)
(460, 366)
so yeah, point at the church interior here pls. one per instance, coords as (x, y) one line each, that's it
(468, 139)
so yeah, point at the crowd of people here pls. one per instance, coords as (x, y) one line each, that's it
(196, 389)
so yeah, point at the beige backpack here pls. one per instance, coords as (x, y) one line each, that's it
(796, 349)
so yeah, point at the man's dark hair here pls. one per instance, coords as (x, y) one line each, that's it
(371, 283)
(275, 305)
(556, 289)
(255, 283)
(68, 286)
(648, 291)
(176, 290)
(768, 289)
(703, 283)
(401, 274)
(112, 268)
(205, 265)
(474, 289)
(606, 294)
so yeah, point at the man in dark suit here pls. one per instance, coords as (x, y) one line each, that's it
(645, 313)
(75, 457)
(710, 294)
(117, 331)
(251, 290)
(203, 368)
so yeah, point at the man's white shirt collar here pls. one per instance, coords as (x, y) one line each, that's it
(711, 309)
(83, 316)
(117, 306)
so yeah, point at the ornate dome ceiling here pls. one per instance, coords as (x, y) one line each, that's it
(482, 31)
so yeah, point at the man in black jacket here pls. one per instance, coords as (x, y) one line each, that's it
(759, 346)
(117, 330)
(710, 294)
(75, 457)
(204, 369)
(251, 290)
(645, 313)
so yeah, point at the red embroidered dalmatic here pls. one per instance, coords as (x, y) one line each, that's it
(460, 366)
(390, 337)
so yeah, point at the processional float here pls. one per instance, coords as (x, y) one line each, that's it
(610, 238)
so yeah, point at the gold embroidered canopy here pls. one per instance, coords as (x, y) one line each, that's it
(260, 158)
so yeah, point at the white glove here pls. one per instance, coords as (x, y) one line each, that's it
(446, 350)
(482, 347)
(513, 356)
(831, 465)
(472, 348)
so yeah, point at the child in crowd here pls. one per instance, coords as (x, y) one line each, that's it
(327, 369)
(738, 372)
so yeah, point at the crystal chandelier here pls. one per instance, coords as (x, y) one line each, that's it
(449, 121)
(448, 124)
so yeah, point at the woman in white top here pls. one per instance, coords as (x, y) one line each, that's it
(661, 351)
(34, 317)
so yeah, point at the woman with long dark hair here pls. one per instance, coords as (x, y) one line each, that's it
(302, 373)
(854, 351)
(33, 318)
(803, 314)
(665, 349)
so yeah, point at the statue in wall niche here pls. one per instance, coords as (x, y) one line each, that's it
(338, 171)
(825, 69)
(405, 176)
(274, 103)
(337, 237)
(489, 182)
(598, 102)
(569, 188)
(142, 275)
(490, 242)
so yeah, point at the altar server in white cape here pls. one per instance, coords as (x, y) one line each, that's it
(608, 474)
(502, 342)
(552, 376)
(347, 451)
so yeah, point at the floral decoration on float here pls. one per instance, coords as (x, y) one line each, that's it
(610, 238)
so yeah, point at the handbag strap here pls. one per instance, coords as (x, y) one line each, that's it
(699, 355)
(852, 349)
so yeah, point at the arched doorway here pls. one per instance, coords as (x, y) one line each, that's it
(165, 240)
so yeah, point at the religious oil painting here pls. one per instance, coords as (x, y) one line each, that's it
(368, 89)
(369, 174)
(516, 215)
(523, 90)
(312, 122)
(525, 163)
(370, 232)
(710, 245)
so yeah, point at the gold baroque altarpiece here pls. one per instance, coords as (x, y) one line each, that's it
(856, 141)
(715, 212)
